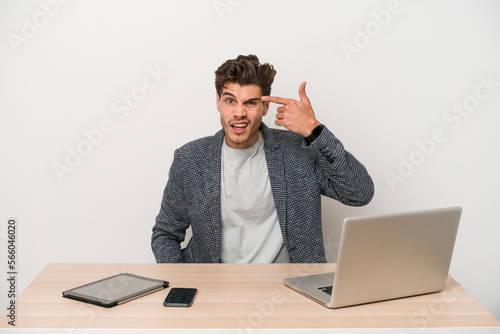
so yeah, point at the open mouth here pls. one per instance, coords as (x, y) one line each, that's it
(239, 127)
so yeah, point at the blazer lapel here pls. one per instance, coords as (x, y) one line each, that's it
(212, 178)
(276, 170)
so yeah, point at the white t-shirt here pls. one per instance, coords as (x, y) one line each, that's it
(250, 226)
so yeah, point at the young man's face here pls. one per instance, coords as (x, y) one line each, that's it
(241, 111)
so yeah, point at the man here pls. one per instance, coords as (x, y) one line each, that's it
(251, 193)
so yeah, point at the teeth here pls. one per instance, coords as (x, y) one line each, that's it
(239, 125)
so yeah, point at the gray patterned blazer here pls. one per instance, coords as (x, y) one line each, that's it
(299, 174)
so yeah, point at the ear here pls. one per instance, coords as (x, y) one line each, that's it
(266, 108)
(217, 101)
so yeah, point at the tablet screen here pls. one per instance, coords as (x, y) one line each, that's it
(115, 289)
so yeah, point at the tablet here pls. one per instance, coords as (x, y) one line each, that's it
(115, 290)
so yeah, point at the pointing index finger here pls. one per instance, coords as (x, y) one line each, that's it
(275, 99)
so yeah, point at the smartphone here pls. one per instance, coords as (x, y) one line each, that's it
(180, 297)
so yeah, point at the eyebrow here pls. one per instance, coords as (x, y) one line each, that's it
(249, 100)
(227, 93)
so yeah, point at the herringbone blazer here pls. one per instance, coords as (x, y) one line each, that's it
(299, 174)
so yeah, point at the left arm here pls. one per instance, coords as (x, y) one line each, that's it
(340, 174)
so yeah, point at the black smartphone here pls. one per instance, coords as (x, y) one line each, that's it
(180, 297)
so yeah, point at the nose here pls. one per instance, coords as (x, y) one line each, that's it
(240, 111)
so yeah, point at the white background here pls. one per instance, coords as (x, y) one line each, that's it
(66, 66)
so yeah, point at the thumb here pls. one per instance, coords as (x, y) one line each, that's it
(302, 92)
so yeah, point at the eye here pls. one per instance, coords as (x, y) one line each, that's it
(230, 101)
(252, 103)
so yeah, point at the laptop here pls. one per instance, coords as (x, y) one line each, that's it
(386, 257)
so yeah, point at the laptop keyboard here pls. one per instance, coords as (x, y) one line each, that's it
(327, 289)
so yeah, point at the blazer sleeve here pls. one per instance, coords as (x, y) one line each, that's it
(341, 175)
(173, 219)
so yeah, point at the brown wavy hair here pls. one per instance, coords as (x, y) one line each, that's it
(245, 70)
